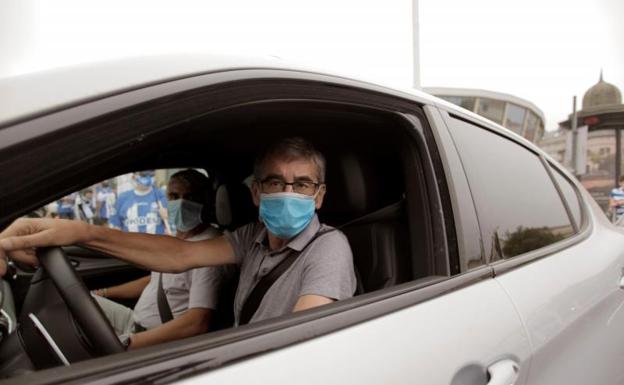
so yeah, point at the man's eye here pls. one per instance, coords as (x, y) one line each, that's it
(302, 185)
(275, 183)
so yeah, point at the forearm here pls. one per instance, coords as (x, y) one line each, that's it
(153, 252)
(195, 321)
(128, 290)
(310, 301)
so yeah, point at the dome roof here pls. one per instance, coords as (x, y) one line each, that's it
(602, 93)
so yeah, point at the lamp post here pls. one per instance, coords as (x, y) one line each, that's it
(416, 45)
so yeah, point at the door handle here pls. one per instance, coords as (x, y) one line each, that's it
(622, 283)
(504, 372)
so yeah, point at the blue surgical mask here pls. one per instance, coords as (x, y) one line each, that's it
(286, 214)
(185, 214)
(144, 180)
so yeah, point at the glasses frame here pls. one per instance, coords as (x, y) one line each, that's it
(317, 185)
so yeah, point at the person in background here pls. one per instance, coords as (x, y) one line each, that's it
(104, 203)
(84, 206)
(65, 206)
(616, 202)
(143, 209)
(191, 295)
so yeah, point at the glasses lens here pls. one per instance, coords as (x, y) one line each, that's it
(307, 188)
(277, 185)
(273, 185)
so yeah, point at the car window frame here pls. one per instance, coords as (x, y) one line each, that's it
(584, 230)
(296, 326)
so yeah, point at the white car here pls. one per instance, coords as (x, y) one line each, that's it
(479, 259)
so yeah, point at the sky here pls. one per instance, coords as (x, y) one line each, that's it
(544, 51)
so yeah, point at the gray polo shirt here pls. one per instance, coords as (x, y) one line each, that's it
(196, 288)
(324, 268)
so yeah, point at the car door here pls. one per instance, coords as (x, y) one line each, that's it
(553, 252)
(456, 327)
(577, 334)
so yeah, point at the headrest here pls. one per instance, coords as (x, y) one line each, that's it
(351, 189)
(234, 206)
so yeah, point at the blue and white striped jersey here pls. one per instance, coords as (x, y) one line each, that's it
(137, 213)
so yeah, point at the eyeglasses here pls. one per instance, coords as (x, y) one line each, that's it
(273, 185)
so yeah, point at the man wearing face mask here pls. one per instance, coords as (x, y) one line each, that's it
(288, 189)
(191, 296)
(141, 210)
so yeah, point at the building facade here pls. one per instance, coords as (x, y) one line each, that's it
(603, 113)
(517, 114)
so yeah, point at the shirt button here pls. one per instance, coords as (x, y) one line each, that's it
(264, 270)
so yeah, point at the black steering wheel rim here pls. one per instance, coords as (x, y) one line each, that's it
(88, 315)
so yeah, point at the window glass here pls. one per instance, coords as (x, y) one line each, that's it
(531, 126)
(519, 208)
(134, 202)
(491, 109)
(569, 192)
(514, 120)
(466, 102)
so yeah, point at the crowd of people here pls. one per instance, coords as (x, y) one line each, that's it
(143, 208)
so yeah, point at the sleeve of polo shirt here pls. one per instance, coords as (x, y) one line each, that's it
(241, 240)
(329, 268)
(205, 286)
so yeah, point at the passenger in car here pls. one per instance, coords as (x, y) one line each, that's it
(188, 299)
(307, 264)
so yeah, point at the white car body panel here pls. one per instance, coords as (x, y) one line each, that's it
(577, 330)
(423, 344)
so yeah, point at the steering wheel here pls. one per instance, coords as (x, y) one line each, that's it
(81, 305)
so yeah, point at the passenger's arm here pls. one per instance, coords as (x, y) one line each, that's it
(128, 290)
(193, 322)
(153, 252)
(309, 301)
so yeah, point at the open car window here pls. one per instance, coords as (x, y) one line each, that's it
(96, 203)
(385, 192)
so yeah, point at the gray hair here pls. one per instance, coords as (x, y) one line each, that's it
(290, 149)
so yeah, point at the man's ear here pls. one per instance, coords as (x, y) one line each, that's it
(320, 195)
(255, 193)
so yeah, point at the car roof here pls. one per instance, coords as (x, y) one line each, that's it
(38, 93)
(52, 89)
(45, 91)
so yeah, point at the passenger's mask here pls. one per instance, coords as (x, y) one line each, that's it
(286, 214)
(185, 214)
(144, 180)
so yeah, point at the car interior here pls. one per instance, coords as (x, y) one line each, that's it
(382, 192)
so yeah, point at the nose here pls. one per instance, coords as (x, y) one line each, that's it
(288, 187)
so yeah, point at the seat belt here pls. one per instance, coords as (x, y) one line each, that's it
(253, 300)
(163, 306)
(257, 294)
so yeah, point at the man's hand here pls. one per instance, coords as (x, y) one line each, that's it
(23, 236)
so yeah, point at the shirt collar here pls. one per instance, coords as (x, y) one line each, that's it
(298, 242)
